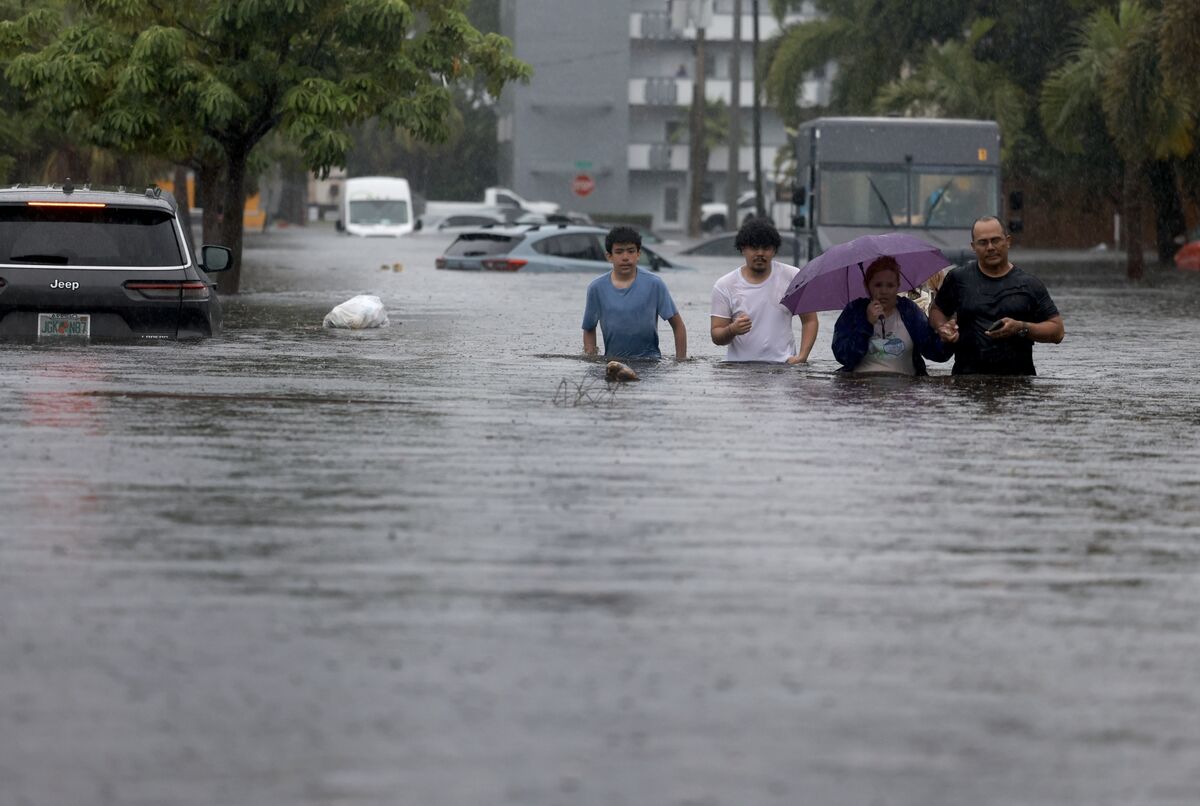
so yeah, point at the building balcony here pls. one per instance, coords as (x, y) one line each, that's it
(663, 91)
(657, 25)
(674, 157)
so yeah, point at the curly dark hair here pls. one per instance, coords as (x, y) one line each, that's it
(622, 234)
(757, 232)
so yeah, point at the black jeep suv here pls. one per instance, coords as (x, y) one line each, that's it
(87, 264)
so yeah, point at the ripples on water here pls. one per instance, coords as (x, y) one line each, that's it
(303, 566)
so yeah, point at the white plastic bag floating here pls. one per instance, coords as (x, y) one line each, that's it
(357, 313)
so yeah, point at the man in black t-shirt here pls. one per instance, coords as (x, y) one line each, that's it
(991, 311)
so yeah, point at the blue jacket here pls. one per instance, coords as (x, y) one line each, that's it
(852, 335)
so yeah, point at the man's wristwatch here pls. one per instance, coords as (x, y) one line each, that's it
(1024, 331)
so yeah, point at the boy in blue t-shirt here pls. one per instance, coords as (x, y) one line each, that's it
(628, 302)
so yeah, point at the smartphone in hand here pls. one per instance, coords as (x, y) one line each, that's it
(999, 323)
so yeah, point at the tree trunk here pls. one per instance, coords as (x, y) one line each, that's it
(293, 197)
(1169, 220)
(1131, 215)
(208, 177)
(697, 152)
(233, 205)
(733, 171)
(760, 208)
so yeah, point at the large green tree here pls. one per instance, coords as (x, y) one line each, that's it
(463, 164)
(1116, 66)
(204, 81)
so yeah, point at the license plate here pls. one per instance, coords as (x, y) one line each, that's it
(64, 326)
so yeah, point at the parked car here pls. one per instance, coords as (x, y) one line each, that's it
(94, 265)
(714, 216)
(538, 248)
(648, 235)
(475, 219)
(723, 246)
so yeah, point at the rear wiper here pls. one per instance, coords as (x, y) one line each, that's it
(58, 260)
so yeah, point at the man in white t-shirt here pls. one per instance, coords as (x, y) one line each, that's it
(746, 314)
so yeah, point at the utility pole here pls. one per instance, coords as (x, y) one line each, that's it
(759, 208)
(697, 147)
(733, 172)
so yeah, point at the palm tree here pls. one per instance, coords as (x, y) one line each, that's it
(870, 41)
(1116, 66)
(951, 82)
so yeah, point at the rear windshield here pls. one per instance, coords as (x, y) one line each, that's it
(481, 244)
(88, 236)
(578, 245)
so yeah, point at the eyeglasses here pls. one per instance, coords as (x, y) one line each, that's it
(983, 243)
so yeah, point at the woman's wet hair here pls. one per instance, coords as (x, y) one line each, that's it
(758, 233)
(881, 264)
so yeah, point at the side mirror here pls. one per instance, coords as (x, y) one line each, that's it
(418, 225)
(340, 226)
(215, 258)
(1016, 200)
(1015, 226)
(656, 262)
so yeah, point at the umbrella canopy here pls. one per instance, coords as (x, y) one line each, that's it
(830, 281)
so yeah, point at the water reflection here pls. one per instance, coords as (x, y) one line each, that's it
(391, 559)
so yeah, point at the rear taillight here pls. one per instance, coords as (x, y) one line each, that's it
(193, 290)
(504, 264)
(440, 263)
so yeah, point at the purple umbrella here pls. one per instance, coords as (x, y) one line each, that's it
(830, 281)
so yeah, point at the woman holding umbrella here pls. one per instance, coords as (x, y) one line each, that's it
(884, 332)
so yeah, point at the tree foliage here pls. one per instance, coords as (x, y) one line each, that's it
(1180, 47)
(205, 80)
(871, 42)
(459, 167)
(951, 81)
(1115, 66)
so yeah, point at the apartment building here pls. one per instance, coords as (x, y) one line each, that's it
(603, 125)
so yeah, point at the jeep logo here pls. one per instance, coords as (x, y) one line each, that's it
(66, 285)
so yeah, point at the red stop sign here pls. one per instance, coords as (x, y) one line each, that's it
(582, 185)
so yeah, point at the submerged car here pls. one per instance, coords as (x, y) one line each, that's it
(723, 246)
(538, 248)
(648, 235)
(87, 264)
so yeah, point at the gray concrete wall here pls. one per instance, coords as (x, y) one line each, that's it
(573, 117)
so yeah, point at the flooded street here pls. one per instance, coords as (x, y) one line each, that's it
(299, 567)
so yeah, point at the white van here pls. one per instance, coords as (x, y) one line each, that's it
(376, 206)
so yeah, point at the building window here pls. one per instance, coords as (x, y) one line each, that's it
(711, 65)
(671, 205)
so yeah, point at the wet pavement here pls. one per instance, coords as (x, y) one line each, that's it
(297, 566)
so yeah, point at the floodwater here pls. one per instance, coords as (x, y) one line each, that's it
(442, 563)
